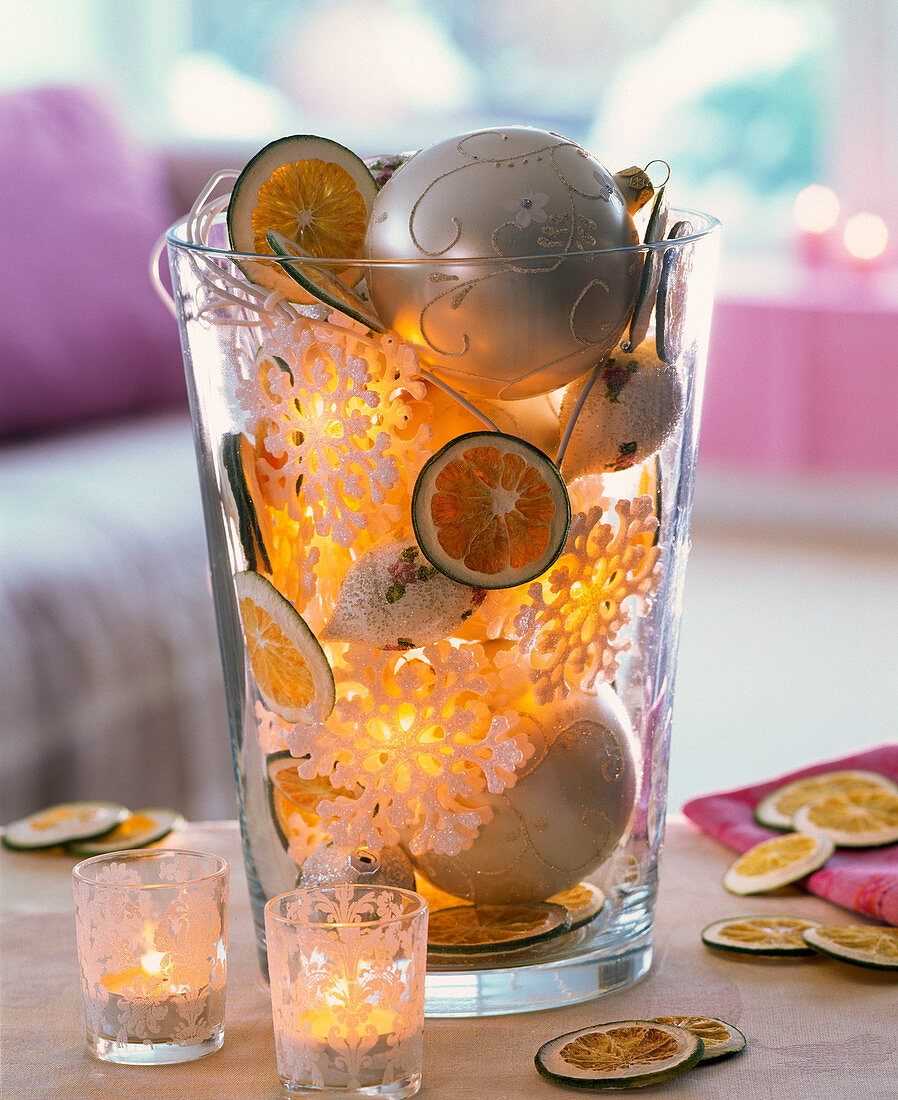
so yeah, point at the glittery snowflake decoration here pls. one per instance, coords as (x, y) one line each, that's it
(572, 624)
(326, 407)
(414, 742)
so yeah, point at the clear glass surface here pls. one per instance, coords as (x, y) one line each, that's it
(575, 667)
(152, 949)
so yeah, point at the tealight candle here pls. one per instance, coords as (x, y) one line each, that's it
(346, 965)
(152, 946)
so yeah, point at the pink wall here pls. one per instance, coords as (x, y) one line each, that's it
(798, 384)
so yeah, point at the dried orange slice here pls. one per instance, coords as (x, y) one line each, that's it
(860, 944)
(140, 828)
(857, 818)
(313, 191)
(490, 510)
(778, 809)
(720, 1039)
(69, 821)
(584, 901)
(482, 928)
(773, 937)
(289, 666)
(322, 284)
(777, 862)
(623, 1054)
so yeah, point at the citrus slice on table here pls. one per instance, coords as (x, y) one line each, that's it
(291, 670)
(139, 829)
(62, 824)
(720, 1039)
(311, 190)
(322, 284)
(623, 1054)
(583, 901)
(774, 937)
(778, 808)
(860, 944)
(857, 818)
(777, 862)
(484, 928)
(490, 510)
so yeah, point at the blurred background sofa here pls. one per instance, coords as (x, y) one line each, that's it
(110, 678)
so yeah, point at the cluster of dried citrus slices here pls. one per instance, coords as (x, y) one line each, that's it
(90, 828)
(457, 926)
(782, 937)
(835, 809)
(634, 1053)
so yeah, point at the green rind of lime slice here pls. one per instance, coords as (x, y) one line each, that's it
(556, 920)
(552, 1064)
(427, 534)
(821, 939)
(63, 823)
(715, 936)
(322, 283)
(161, 823)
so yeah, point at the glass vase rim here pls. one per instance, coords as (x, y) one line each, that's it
(174, 236)
(132, 854)
(419, 902)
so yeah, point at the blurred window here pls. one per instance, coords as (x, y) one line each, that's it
(748, 101)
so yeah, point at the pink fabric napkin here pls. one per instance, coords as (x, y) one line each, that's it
(863, 879)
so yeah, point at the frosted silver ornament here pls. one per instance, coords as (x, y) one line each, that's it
(540, 308)
(562, 818)
(629, 413)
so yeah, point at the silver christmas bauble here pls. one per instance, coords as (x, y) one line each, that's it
(563, 817)
(539, 307)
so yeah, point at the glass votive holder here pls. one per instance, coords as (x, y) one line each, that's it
(346, 966)
(152, 931)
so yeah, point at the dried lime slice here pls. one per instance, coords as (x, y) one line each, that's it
(312, 190)
(774, 937)
(584, 901)
(236, 456)
(489, 928)
(651, 272)
(859, 944)
(720, 1038)
(857, 818)
(139, 829)
(62, 824)
(778, 809)
(290, 667)
(322, 283)
(670, 310)
(490, 510)
(619, 1055)
(777, 862)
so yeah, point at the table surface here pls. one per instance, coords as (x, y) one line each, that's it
(815, 1028)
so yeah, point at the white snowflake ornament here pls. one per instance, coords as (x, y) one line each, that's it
(414, 742)
(572, 623)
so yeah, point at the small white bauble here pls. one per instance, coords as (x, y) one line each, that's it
(542, 310)
(393, 598)
(332, 865)
(562, 818)
(631, 411)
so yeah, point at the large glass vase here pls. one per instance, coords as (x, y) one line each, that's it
(449, 606)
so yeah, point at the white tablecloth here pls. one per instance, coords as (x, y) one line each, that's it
(816, 1028)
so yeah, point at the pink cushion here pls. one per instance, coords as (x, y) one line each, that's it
(83, 336)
